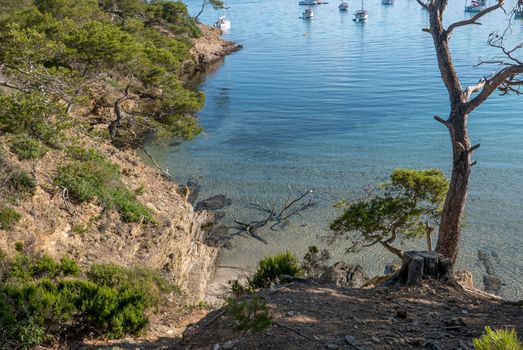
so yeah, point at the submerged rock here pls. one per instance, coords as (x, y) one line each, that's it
(194, 190)
(213, 203)
(491, 281)
(345, 275)
(218, 237)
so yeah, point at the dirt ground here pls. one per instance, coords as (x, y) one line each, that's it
(308, 315)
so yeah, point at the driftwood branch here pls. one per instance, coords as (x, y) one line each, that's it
(289, 209)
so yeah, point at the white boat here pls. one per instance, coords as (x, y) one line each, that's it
(307, 14)
(518, 11)
(223, 23)
(387, 2)
(308, 2)
(361, 15)
(475, 6)
(343, 6)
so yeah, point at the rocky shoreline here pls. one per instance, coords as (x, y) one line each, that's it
(175, 245)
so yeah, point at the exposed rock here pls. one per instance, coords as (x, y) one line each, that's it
(216, 202)
(210, 47)
(218, 236)
(464, 278)
(229, 345)
(332, 346)
(194, 190)
(431, 346)
(491, 281)
(349, 339)
(345, 275)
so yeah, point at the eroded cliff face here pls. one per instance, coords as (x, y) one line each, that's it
(53, 224)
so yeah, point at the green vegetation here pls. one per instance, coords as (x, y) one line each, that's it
(272, 267)
(250, 314)
(8, 218)
(27, 148)
(499, 339)
(32, 116)
(408, 206)
(41, 300)
(53, 51)
(94, 177)
(16, 183)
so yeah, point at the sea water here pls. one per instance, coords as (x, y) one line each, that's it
(333, 106)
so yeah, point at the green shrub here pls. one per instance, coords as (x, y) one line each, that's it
(8, 218)
(16, 183)
(238, 288)
(19, 246)
(499, 339)
(146, 281)
(25, 269)
(40, 299)
(94, 177)
(27, 148)
(271, 267)
(21, 182)
(250, 314)
(84, 154)
(31, 114)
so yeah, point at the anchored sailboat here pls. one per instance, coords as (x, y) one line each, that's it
(361, 15)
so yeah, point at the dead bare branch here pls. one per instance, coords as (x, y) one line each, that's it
(279, 218)
(474, 19)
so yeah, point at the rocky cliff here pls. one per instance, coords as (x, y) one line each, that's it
(51, 223)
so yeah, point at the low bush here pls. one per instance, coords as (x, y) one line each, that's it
(499, 339)
(271, 267)
(250, 314)
(8, 218)
(94, 177)
(16, 183)
(42, 299)
(26, 147)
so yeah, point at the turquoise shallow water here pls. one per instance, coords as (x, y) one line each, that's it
(333, 105)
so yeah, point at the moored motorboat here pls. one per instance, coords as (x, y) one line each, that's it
(343, 6)
(307, 14)
(475, 6)
(308, 2)
(387, 2)
(223, 23)
(518, 11)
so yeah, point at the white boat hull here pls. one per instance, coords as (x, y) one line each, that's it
(361, 15)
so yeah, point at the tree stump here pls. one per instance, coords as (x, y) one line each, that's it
(418, 265)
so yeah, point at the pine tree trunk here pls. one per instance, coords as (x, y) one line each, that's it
(451, 219)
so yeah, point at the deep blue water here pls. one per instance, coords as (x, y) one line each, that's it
(334, 105)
